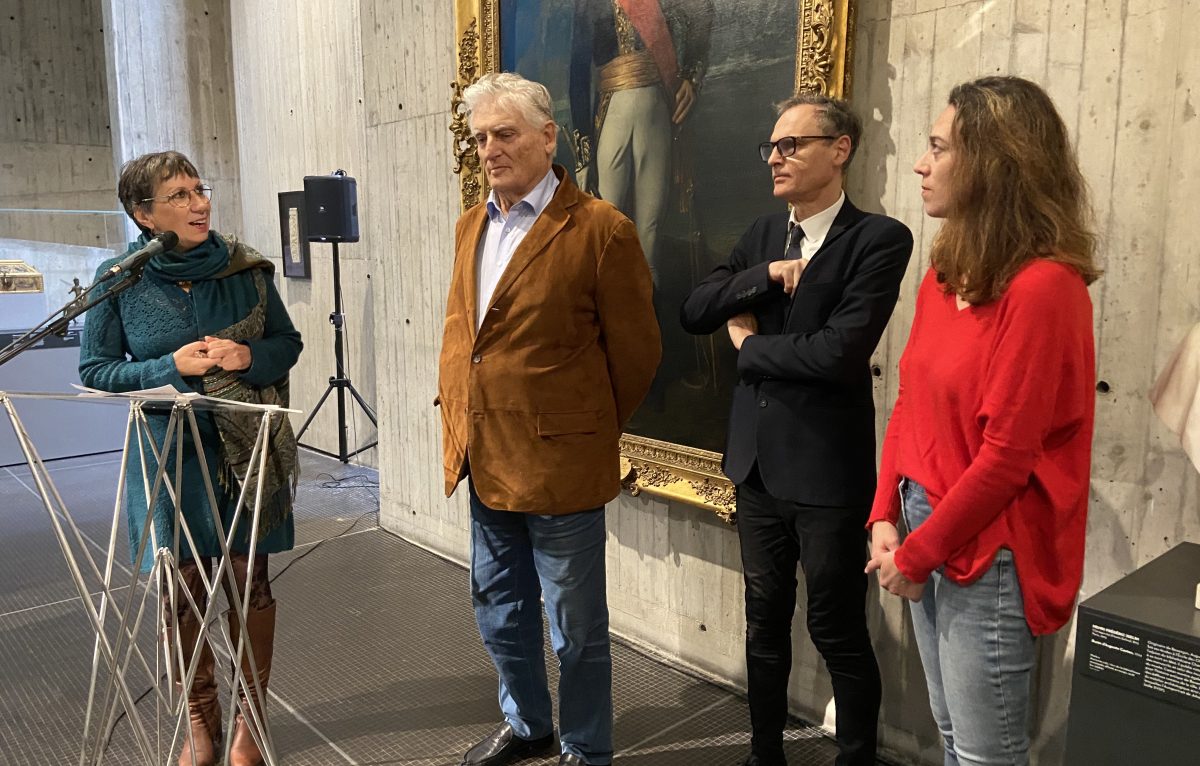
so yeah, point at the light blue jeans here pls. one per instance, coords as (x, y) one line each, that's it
(977, 652)
(516, 559)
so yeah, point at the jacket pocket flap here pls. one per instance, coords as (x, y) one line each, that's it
(559, 423)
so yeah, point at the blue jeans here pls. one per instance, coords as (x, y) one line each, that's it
(977, 652)
(517, 558)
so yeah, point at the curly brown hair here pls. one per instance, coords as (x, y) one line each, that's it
(1017, 194)
(142, 175)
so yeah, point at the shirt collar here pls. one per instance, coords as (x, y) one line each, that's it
(535, 201)
(816, 226)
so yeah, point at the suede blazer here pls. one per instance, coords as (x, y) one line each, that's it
(535, 401)
(803, 409)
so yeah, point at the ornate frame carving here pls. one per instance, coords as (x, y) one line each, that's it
(824, 52)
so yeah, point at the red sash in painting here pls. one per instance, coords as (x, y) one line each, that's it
(647, 18)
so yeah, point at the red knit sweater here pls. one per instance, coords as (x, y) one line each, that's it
(994, 419)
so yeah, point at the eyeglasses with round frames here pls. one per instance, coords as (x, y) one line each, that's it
(788, 145)
(183, 197)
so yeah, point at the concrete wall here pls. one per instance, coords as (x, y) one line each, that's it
(55, 147)
(170, 86)
(300, 111)
(409, 66)
(364, 85)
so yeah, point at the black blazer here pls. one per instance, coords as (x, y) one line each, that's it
(803, 407)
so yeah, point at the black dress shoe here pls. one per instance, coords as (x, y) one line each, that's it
(503, 746)
(570, 759)
(754, 760)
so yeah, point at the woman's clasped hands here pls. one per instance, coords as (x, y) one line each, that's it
(885, 540)
(198, 357)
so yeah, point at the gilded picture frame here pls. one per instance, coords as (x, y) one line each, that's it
(817, 50)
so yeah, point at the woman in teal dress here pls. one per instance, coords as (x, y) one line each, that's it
(206, 318)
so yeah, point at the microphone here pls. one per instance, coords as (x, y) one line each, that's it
(136, 260)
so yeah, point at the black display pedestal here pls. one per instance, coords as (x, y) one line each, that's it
(1135, 695)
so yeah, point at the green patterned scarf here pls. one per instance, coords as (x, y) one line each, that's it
(239, 428)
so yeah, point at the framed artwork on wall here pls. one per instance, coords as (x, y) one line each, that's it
(667, 131)
(293, 235)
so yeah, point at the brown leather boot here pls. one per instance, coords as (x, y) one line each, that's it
(260, 630)
(203, 746)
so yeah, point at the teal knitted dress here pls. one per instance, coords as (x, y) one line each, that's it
(128, 344)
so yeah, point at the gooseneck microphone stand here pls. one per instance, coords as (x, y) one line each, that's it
(57, 323)
(339, 382)
(130, 268)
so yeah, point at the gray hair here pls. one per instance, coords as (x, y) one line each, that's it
(835, 117)
(511, 89)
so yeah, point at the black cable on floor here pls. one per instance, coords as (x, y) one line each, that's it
(364, 481)
(113, 728)
(335, 482)
(319, 543)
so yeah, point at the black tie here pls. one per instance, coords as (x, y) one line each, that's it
(795, 237)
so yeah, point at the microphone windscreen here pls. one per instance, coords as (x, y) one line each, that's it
(169, 240)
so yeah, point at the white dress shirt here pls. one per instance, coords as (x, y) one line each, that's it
(816, 227)
(502, 236)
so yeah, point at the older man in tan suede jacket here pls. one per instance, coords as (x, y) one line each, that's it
(550, 344)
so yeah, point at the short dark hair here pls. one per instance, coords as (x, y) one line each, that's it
(140, 177)
(836, 117)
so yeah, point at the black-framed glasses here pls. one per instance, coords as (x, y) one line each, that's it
(183, 197)
(788, 145)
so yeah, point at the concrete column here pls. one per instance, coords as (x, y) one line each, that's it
(54, 136)
(170, 86)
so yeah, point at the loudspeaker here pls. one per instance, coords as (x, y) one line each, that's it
(331, 208)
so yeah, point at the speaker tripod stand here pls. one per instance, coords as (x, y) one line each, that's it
(341, 381)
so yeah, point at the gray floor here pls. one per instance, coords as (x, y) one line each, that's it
(377, 660)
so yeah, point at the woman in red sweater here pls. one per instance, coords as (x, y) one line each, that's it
(989, 445)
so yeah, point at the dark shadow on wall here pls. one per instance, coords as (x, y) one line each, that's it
(872, 100)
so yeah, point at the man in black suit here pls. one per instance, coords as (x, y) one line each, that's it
(805, 297)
